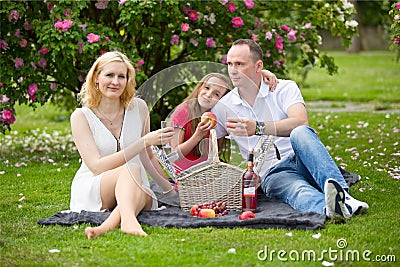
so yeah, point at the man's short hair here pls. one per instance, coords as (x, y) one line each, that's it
(255, 49)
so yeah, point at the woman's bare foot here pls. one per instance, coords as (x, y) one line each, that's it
(133, 228)
(92, 232)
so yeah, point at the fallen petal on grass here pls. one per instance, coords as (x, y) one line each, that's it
(316, 236)
(54, 250)
(232, 251)
(289, 234)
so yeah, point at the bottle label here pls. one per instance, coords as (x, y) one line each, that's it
(249, 192)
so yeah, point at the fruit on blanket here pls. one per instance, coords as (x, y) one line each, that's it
(209, 116)
(206, 213)
(194, 211)
(245, 215)
(219, 208)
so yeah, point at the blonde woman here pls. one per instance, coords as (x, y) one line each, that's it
(112, 134)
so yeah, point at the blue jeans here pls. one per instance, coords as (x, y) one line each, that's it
(299, 179)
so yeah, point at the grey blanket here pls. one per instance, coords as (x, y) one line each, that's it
(270, 214)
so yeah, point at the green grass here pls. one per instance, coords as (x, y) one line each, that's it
(366, 143)
(365, 77)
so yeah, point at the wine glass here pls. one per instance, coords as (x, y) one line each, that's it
(171, 155)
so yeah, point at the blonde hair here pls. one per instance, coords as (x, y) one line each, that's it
(195, 108)
(90, 97)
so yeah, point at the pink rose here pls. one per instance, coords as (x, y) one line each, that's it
(140, 62)
(4, 99)
(32, 89)
(185, 27)
(7, 116)
(249, 3)
(174, 39)
(44, 50)
(18, 62)
(292, 35)
(23, 43)
(223, 59)
(93, 38)
(237, 22)
(210, 42)
(43, 63)
(193, 15)
(285, 28)
(231, 7)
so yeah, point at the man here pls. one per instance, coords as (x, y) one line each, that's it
(306, 177)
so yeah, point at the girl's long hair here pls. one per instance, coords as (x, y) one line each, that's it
(90, 96)
(195, 108)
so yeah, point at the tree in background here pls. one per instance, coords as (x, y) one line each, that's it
(47, 47)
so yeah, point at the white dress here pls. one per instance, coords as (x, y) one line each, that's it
(85, 188)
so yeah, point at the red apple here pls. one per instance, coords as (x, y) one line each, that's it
(209, 116)
(193, 210)
(206, 213)
(245, 215)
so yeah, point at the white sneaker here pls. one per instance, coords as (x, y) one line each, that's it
(355, 206)
(335, 200)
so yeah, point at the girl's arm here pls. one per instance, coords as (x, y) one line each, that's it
(183, 147)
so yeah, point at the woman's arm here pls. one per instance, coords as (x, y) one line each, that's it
(148, 159)
(90, 154)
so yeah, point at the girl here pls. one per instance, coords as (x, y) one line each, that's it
(191, 134)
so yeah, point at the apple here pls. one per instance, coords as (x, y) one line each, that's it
(206, 213)
(194, 211)
(246, 215)
(209, 116)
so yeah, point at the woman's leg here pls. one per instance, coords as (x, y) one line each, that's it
(131, 199)
(123, 186)
(110, 223)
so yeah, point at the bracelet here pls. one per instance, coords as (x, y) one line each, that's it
(166, 192)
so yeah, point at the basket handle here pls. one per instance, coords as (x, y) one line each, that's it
(213, 147)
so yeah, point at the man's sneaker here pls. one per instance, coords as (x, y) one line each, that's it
(335, 200)
(355, 206)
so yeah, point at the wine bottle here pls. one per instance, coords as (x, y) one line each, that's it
(249, 186)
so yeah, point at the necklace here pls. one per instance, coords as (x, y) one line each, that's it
(111, 121)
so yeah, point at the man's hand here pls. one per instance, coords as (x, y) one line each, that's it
(241, 126)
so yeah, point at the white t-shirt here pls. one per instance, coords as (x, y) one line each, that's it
(269, 106)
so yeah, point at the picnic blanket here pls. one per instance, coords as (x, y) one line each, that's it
(270, 214)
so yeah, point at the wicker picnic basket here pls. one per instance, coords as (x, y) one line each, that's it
(211, 180)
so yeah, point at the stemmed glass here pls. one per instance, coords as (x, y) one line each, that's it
(172, 156)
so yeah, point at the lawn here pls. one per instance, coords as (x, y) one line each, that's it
(38, 162)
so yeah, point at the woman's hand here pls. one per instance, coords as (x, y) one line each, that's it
(159, 137)
(270, 79)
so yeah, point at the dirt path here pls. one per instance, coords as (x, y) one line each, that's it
(337, 106)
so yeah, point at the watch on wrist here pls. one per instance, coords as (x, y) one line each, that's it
(260, 126)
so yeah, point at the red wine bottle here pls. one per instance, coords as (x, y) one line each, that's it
(249, 186)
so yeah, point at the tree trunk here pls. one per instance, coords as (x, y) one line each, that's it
(356, 44)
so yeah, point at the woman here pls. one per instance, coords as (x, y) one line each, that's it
(190, 140)
(112, 134)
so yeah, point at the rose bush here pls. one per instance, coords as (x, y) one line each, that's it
(47, 46)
